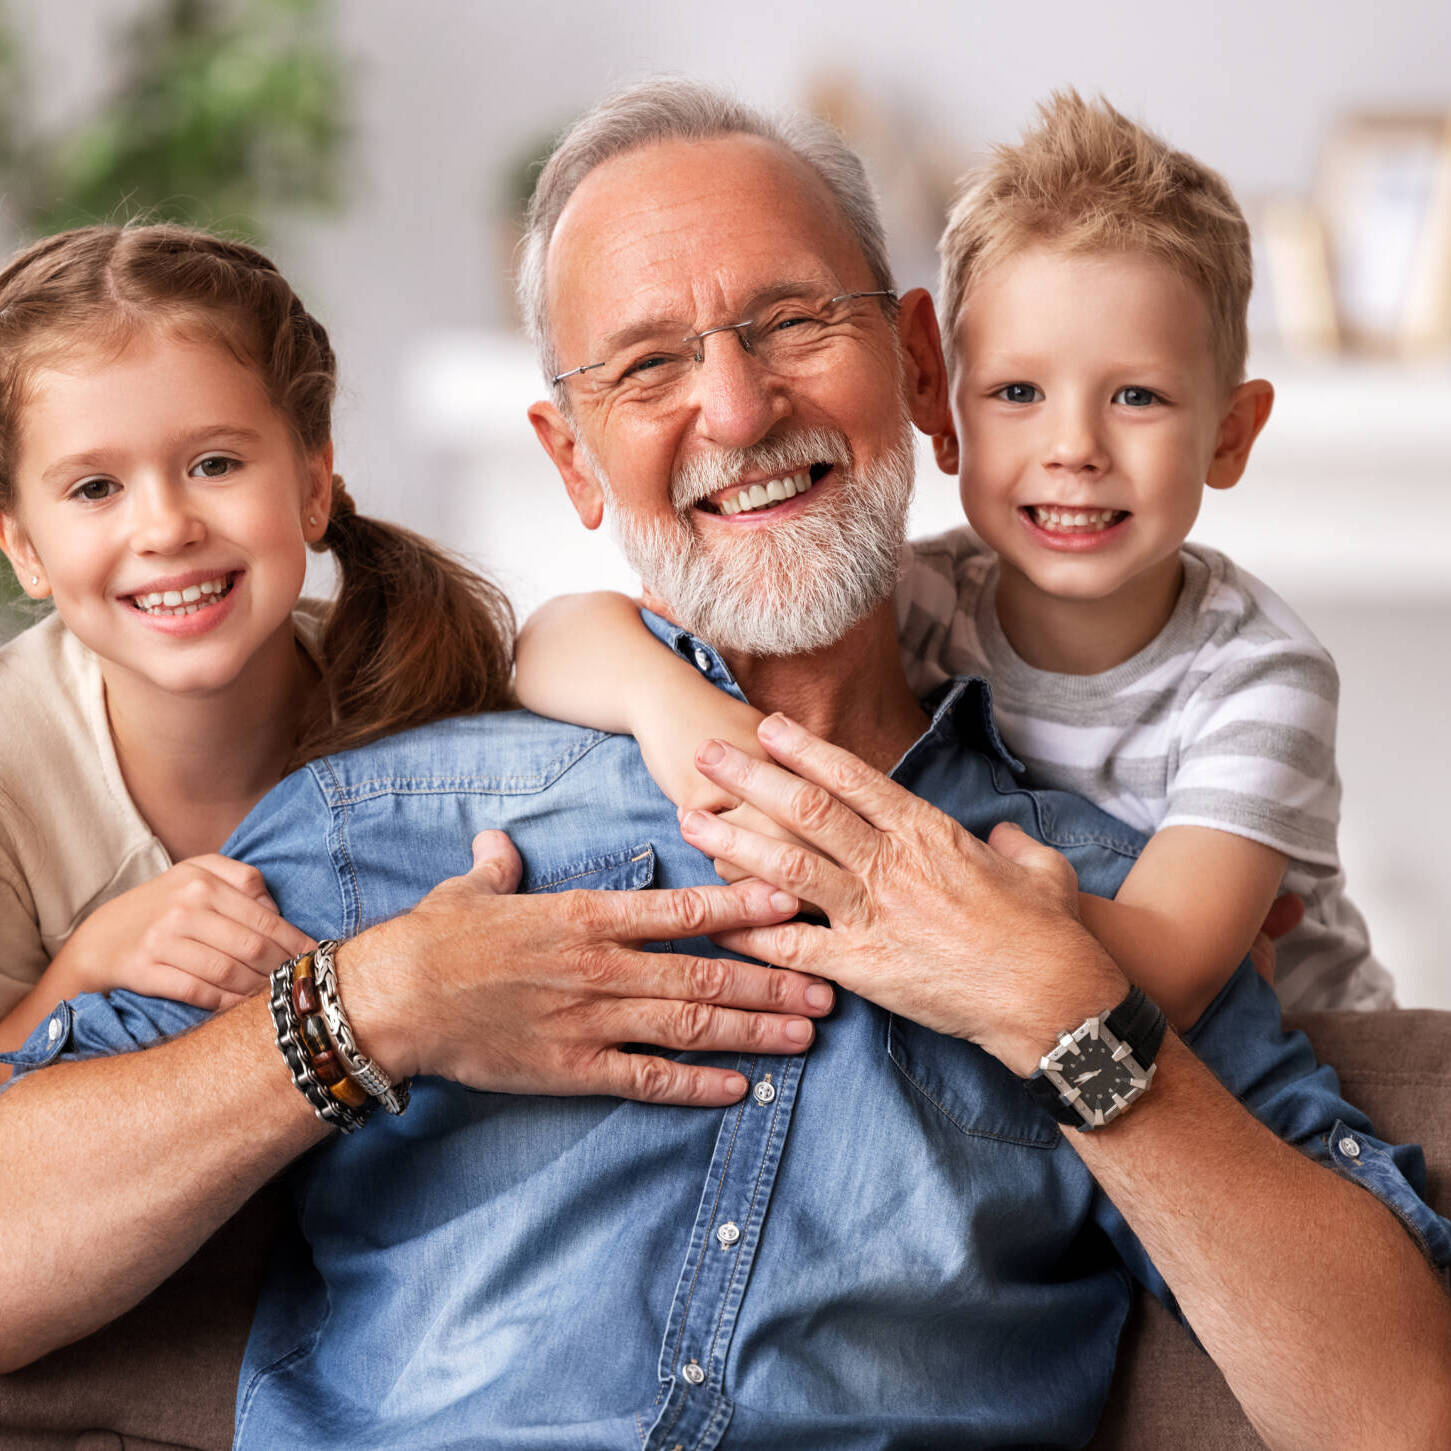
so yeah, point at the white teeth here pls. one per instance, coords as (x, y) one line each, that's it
(1093, 519)
(772, 491)
(182, 602)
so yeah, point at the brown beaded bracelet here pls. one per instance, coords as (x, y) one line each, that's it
(316, 1041)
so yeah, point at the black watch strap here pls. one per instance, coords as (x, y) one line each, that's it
(1139, 1022)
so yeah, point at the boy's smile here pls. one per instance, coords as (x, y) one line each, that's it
(1089, 418)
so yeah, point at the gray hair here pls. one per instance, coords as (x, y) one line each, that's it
(673, 109)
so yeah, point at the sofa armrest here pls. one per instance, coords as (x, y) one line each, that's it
(1392, 1064)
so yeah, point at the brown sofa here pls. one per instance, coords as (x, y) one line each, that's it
(163, 1376)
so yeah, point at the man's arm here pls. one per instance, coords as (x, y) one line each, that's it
(1327, 1322)
(118, 1168)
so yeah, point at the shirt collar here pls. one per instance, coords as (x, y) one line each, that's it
(961, 709)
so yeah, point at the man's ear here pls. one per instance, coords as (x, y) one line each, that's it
(1247, 413)
(556, 433)
(16, 545)
(925, 383)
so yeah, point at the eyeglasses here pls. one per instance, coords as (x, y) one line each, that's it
(790, 338)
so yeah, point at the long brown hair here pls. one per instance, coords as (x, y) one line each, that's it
(414, 634)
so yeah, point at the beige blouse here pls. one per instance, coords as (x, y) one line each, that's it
(71, 838)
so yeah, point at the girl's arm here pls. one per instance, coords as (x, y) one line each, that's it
(589, 659)
(1186, 914)
(204, 932)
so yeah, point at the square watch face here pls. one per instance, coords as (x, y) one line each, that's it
(1096, 1073)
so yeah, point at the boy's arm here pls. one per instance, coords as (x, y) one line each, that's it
(588, 659)
(1186, 914)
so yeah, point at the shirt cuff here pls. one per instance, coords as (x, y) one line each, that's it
(1372, 1164)
(47, 1041)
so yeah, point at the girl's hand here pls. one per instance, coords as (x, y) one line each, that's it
(205, 933)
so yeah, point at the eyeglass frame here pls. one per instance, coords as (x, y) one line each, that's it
(698, 354)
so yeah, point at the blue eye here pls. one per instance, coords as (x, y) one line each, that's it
(1019, 393)
(215, 466)
(1132, 397)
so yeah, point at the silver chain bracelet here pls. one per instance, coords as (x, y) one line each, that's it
(360, 1068)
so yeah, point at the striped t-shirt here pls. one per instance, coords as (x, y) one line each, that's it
(1225, 719)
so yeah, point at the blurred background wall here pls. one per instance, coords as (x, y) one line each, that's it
(1322, 116)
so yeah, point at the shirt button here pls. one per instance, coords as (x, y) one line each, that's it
(764, 1091)
(53, 1032)
(728, 1234)
(702, 661)
(693, 1373)
(1349, 1148)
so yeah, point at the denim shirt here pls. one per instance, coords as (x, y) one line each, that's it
(884, 1244)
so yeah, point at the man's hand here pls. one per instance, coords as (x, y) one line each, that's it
(539, 994)
(977, 939)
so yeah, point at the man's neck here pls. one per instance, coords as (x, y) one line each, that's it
(853, 692)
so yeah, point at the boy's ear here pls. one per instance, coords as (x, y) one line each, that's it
(926, 372)
(17, 548)
(1247, 413)
(945, 449)
(555, 432)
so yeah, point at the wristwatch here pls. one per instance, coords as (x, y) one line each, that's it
(1103, 1067)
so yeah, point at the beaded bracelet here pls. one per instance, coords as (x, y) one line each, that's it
(329, 1106)
(360, 1069)
(316, 1041)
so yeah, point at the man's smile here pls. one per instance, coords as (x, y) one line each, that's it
(762, 495)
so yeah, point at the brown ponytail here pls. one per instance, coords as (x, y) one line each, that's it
(414, 635)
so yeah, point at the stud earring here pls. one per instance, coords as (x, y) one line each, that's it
(312, 518)
(35, 579)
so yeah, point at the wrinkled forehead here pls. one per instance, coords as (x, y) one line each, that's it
(691, 232)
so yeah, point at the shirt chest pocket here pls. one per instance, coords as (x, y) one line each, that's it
(628, 870)
(968, 1087)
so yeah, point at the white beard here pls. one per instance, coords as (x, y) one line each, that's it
(796, 587)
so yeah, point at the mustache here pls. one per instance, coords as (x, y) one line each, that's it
(788, 453)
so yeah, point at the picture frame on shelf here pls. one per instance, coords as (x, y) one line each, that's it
(1385, 196)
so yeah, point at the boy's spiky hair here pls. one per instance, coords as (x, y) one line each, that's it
(1087, 179)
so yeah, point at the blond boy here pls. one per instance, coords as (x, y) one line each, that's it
(1094, 292)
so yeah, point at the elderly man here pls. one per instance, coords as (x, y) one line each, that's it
(883, 1241)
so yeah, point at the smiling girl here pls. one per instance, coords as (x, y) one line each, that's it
(165, 464)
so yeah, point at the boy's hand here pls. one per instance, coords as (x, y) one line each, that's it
(204, 932)
(1285, 914)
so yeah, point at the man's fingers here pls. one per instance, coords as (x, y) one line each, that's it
(705, 1028)
(799, 946)
(794, 868)
(662, 1080)
(497, 865)
(808, 810)
(722, 981)
(876, 798)
(665, 916)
